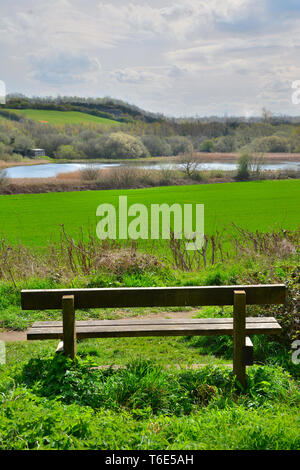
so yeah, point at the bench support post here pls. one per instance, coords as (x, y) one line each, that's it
(69, 329)
(239, 337)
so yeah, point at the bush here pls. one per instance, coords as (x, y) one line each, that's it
(180, 144)
(271, 144)
(51, 140)
(67, 151)
(207, 146)
(121, 145)
(89, 173)
(224, 144)
(22, 144)
(243, 171)
(156, 146)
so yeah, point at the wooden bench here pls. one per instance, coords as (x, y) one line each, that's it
(240, 326)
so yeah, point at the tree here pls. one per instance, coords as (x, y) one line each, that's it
(207, 146)
(272, 143)
(23, 143)
(257, 163)
(189, 163)
(67, 151)
(157, 146)
(180, 144)
(224, 144)
(121, 145)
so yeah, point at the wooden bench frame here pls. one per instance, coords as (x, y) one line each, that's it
(239, 326)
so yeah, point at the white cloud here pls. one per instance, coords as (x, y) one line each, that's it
(182, 57)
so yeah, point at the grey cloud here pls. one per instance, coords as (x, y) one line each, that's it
(63, 68)
(181, 57)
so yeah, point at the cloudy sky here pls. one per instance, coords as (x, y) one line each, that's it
(179, 58)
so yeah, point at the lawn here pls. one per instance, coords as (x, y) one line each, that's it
(34, 219)
(63, 117)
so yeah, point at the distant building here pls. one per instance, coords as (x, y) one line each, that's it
(36, 153)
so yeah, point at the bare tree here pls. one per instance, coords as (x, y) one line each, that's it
(257, 163)
(189, 162)
(89, 173)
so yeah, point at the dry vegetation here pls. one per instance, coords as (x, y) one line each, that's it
(70, 257)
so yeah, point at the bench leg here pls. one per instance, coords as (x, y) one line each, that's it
(69, 329)
(239, 337)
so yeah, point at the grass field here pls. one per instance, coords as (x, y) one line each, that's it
(34, 219)
(66, 117)
(157, 399)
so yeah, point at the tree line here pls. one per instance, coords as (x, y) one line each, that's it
(139, 138)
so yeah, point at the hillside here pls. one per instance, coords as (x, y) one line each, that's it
(62, 117)
(108, 108)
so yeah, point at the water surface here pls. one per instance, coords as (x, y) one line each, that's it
(49, 170)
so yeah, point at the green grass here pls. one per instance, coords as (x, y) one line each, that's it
(63, 117)
(119, 351)
(34, 219)
(50, 403)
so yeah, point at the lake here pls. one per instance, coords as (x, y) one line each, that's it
(49, 170)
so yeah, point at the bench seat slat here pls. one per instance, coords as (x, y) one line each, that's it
(204, 327)
(161, 321)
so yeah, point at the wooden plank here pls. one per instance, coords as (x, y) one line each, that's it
(248, 352)
(152, 296)
(55, 332)
(160, 321)
(69, 330)
(239, 336)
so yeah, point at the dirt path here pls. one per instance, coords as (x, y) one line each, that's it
(10, 335)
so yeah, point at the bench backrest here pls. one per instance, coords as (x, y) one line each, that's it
(152, 296)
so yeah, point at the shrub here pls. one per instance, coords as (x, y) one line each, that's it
(224, 144)
(243, 170)
(22, 144)
(180, 144)
(207, 146)
(67, 151)
(157, 146)
(121, 145)
(89, 173)
(271, 143)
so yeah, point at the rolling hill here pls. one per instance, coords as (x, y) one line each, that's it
(63, 117)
